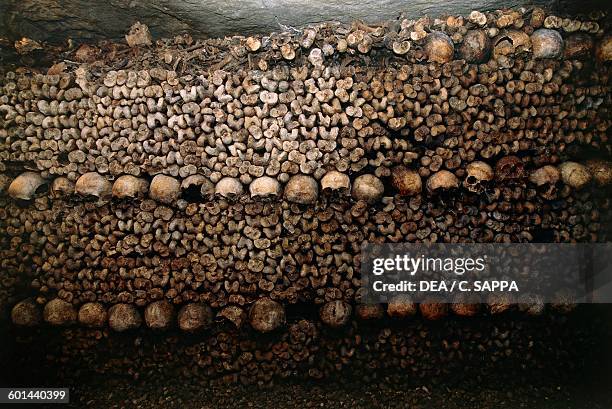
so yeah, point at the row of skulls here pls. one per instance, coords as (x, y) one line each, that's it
(304, 189)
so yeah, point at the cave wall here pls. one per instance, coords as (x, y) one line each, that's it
(56, 20)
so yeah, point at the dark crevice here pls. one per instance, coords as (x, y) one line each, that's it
(542, 235)
(192, 194)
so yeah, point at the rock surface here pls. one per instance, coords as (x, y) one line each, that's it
(54, 20)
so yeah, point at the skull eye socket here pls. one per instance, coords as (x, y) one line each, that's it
(546, 186)
(472, 180)
(334, 189)
(44, 188)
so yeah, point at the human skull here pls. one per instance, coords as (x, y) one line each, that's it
(200, 183)
(479, 174)
(546, 179)
(511, 41)
(164, 189)
(61, 187)
(93, 184)
(26, 186)
(546, 43)
(439, 47)
(442, 180)
(368, 188)
(302, 189)
(509, 168)
(128, 186)
(229, 187)
(264, 187)
(266, 315)
(335, 182)
(406, 181)
(575, 175)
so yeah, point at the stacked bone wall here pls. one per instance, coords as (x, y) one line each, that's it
(193, 184)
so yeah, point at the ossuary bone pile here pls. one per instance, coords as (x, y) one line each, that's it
(185, 182)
